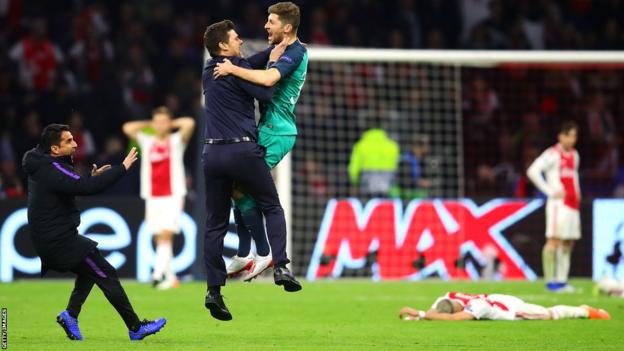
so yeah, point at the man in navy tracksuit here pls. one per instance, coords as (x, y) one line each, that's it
(53, 220)
(231, 155)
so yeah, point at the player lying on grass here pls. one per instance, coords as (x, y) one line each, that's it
(457, 306)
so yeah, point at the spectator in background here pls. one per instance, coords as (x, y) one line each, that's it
(27, 134)
(313, 178)
(374, 163)
(83, 137)
(114, 153)
(412, 171)
(10, 184)
(410, 24)
(600, 120)
(39, 59)
(318, 32)
(91, 55)
(603, 139)
(138, 82)
(472, 13)
(492, 32)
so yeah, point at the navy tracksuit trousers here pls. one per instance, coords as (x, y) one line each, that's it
(241, 163)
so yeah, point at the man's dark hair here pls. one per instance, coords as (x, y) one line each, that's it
(288, 13)
(567, 126)
(217, 33)
(51, 135)
(162, 110)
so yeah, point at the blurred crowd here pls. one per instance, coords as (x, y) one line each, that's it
(95, 64)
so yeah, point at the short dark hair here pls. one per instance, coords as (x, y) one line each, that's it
(217, 33)
(567, 126)
(51, 135)
(288, 13)
(162, 110)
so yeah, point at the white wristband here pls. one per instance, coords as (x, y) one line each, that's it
(421, 314)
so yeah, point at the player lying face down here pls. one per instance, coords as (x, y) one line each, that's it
(456, 306)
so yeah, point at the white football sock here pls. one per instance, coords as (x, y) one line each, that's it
(565, 312)
(169, 273)
(548, 264)
(564, 256)
(160, 261)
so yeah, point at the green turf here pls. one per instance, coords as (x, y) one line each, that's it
(330, 315)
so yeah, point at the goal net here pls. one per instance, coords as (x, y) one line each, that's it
(410, 164)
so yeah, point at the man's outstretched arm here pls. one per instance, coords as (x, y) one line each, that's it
(60, 179)
(433, 315)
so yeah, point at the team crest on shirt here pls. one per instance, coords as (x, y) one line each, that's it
(286, 59)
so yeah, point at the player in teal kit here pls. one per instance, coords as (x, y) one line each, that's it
(277, 132)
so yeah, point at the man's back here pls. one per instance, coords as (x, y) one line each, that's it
(229, 102)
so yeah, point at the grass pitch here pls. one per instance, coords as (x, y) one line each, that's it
(327, 315)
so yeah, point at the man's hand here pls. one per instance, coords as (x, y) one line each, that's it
(278, 50)
(410, 314)
(558, 194)
(133, 155)
(97, 171)
(223, 69)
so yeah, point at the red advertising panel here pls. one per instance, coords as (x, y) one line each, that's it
(425, 239)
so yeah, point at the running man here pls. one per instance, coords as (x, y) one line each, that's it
(560, 165)
(163, 184)
(277, 130)
(53, 221)
(457, 306)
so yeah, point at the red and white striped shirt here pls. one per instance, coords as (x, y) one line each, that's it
(162, 165)
(560, 168)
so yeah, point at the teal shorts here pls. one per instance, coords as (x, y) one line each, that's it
(277, 146)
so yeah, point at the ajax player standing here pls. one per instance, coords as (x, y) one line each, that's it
(559, 164)
(163, 183)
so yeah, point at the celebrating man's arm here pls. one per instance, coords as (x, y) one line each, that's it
(265, 77)
(63, 180)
